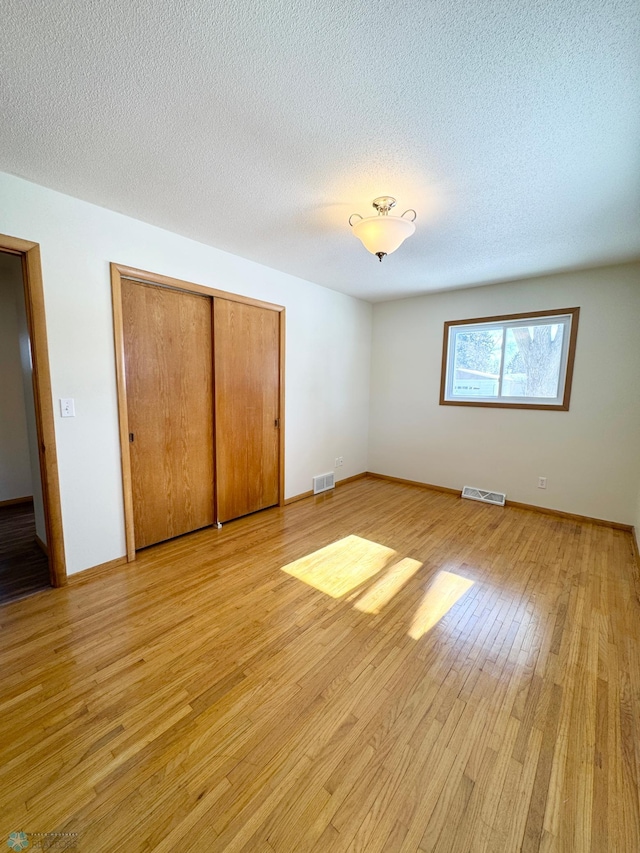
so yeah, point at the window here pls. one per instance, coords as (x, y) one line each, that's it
(521, 360)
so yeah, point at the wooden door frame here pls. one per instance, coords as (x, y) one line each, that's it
(43, 400)
(118, 272)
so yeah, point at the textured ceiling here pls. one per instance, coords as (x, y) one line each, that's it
(258, 126)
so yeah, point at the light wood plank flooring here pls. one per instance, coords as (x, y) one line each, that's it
(427, 674)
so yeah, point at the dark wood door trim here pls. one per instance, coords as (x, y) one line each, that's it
(43, 400)
(119, 272)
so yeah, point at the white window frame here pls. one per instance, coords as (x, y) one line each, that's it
(567, 317)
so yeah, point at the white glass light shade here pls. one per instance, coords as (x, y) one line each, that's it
(383, 234)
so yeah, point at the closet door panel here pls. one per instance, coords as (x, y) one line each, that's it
(247, 395)
(169, 378)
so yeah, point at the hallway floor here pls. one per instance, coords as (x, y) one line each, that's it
(23, 567)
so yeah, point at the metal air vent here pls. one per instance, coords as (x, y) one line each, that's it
(474, 494)
(324, 482)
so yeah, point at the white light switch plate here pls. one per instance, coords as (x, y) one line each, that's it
(67, 407)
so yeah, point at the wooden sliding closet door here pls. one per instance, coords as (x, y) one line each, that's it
(168, 367)
(247, 396)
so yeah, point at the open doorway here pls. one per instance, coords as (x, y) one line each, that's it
(24, 563)
(31, 547)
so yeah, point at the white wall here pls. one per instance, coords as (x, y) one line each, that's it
(327, 353)
(589, 454)
(15, 468)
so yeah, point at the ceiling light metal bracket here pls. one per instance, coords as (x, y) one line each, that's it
(383, 204)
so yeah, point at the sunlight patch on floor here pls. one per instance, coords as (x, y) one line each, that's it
(447, 588)
(342, 566)
(389, 585)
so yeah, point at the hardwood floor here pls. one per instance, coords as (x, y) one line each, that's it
(23, 567)
(448, 676)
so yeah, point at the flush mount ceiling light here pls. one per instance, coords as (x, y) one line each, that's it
(382, 234)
